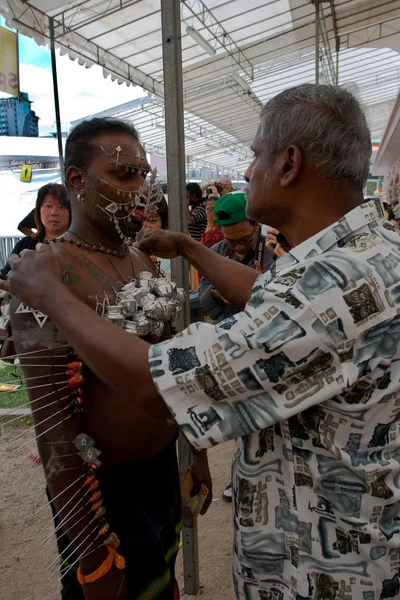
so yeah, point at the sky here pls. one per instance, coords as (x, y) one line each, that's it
(82, 91)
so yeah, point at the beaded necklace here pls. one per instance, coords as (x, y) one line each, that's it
(86, 246)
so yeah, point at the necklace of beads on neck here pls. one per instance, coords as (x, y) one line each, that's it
(86, 246)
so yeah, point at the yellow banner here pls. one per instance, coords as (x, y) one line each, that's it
(9, 76)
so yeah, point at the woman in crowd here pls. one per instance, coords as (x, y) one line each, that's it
(212, 233)
(52, 218)
(158, 219)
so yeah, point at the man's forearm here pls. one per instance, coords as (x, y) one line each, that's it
(233, 280)
(118, 358)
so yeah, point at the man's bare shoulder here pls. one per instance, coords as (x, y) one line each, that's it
(143, 261)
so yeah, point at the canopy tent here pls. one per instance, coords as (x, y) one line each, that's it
(235, 56)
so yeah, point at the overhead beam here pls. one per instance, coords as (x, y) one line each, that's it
(298, 39)
(219, 34)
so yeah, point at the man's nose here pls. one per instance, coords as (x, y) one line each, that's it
(247, 175)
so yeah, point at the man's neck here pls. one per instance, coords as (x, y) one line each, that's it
(95, 237)
(320, 211)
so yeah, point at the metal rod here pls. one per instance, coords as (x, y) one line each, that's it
(78, 546)
(36, 376)
(37, 351)
(69, 545)
(81, 557)
(37, 437)
(59, 537)
(56, 98)
(176, 170)
(10, 412)
(36, 410)
(58, 513)
(65, 531)
(38, 424)
(317, 34)
(175, 141)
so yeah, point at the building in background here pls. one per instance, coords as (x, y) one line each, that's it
(17, 118)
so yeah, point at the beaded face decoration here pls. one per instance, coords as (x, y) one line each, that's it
(124, 206)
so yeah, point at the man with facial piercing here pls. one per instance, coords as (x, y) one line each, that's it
(119, 518)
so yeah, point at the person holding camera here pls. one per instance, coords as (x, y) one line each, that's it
(218, 188)
(242, 242)
(212, 233)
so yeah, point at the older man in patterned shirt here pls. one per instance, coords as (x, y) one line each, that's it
(307, 376)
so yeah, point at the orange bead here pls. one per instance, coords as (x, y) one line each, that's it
(94, 485)
(96, 505)
(103, 530)
(95, 496)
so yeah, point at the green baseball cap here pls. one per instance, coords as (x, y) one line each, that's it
(230, 209)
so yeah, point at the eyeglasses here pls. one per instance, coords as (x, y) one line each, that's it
(247, 239)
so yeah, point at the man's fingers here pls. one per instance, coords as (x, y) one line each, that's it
(26, 252)
(43, 248)
(142, 236)
(272, 230)
(13, 259)
(207, 503)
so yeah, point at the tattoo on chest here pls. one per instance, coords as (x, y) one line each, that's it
(70, 278)
(97, 273)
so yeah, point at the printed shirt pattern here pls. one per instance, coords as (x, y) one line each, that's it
(307, 377)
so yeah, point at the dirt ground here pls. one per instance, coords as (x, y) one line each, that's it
(23, 573)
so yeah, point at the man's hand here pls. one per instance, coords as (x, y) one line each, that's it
(161, 243)
(271, 241)
(273, 245)
(33, 275)
(200, 472)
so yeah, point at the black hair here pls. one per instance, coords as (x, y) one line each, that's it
(80, 149)
(57, 191)
(162, 210)
(195, 189)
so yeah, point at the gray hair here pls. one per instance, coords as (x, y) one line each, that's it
(326, 123)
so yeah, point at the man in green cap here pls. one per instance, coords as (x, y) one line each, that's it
(242, 242)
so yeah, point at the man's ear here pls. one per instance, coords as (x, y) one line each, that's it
(75, 179)
(291, 165)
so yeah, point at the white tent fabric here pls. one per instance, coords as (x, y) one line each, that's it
(248, 52)
(17, 198)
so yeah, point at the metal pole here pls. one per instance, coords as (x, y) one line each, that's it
(337, 38)
(317, 34)
(177, 220)
(56, 98)
(337, 66)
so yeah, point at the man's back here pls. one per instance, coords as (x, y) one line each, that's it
(338, 520)
(310, 384)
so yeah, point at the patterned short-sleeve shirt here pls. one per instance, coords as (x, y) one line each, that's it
(307, 377)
